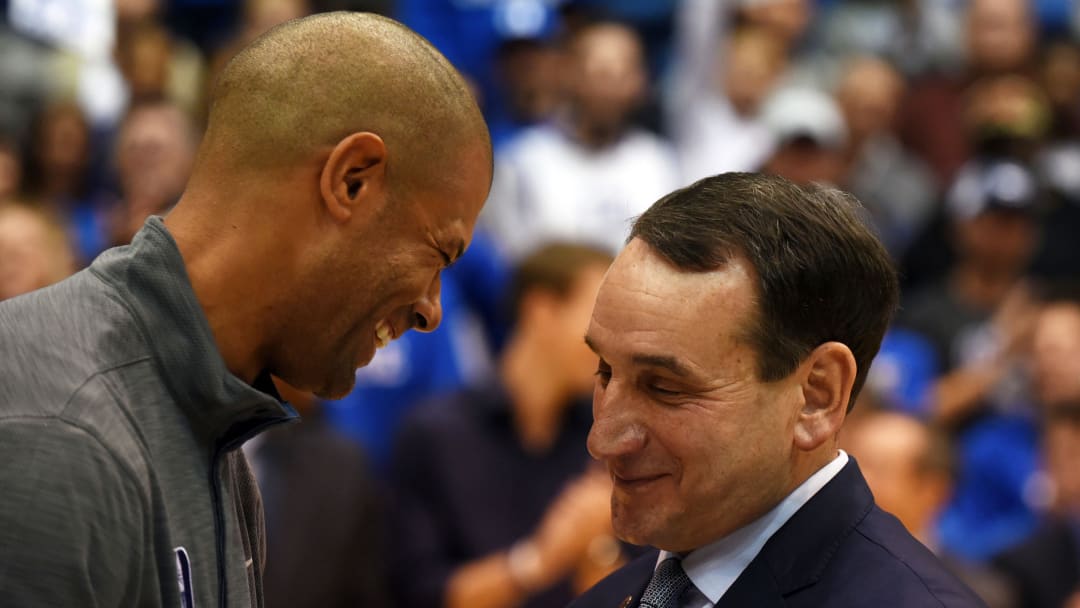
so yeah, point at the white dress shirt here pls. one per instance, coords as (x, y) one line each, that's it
(713, 568)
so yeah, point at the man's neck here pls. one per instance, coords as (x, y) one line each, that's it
(234, 301)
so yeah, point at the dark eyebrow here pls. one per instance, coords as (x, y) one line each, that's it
(590, 344)
(665, 361)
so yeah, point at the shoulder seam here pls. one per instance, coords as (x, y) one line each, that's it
(92, 434)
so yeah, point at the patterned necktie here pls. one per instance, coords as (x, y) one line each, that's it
(667, 584)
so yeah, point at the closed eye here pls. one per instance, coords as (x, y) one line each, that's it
(603, 373)
(663, 392)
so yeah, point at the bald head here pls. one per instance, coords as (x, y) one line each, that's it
(306, 84)
(343, 168)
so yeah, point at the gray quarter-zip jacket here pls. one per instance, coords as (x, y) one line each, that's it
(121, 478)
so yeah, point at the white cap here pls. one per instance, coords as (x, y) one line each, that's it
(794, 112)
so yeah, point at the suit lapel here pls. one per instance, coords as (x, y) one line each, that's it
(801, 549)
(624, 588)
(796, 556)
(634, 599)
(754, 587)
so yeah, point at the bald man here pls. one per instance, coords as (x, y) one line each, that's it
(342, 169)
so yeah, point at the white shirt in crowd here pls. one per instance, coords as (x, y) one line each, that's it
(549, 187)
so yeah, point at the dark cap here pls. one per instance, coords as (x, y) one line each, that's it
(988, 185)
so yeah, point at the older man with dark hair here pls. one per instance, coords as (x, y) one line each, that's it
(734, 331)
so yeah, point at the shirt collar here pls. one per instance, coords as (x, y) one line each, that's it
(151, 280)
(715, 567)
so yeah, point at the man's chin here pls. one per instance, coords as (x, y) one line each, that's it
(336, 388)
(629, 528)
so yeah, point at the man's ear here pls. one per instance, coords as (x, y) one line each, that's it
(354, 176)
(828, 376)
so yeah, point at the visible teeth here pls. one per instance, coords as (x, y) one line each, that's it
(383, 334)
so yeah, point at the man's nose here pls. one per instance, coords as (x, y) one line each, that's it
(615, 431)
(427, 311)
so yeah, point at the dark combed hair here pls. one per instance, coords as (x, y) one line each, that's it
(823, 275)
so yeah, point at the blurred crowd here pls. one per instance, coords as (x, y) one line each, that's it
(456, 473)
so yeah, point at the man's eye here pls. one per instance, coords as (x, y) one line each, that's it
(663, 392)
(603, 373)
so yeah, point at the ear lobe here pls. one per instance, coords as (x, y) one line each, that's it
(829, 376)
(353, 177)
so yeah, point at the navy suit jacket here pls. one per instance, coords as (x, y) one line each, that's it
(838, 550)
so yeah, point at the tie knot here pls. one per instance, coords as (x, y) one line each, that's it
(667, 584)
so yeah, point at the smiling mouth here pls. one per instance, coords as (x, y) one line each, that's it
(384, 333)
(635, 483)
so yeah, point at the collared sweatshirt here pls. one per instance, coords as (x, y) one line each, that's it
(121, 478)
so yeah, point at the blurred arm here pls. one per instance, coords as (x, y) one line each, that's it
(559, 547)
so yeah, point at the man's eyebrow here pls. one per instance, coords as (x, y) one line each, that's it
(590, 344)
(665, 361)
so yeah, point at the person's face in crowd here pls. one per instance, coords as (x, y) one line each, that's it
(1056, 354)
(1006, 106)
(998, 239)
(607, 75)
(755, 61)
(890, 449)
(63, 144)
(261, 15)
(804, 160)
(144, 56)
(379, 277)
(31, 257)
(1000, 34)
(530, 76)
(696, 444)
(154, 156)
(868, 96)
(155, 151)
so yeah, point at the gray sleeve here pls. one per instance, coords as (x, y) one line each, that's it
(73, 522)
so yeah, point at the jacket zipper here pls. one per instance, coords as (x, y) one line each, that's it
(219, 514)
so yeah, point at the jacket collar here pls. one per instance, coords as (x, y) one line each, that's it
(152, 282)
(798, 554)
